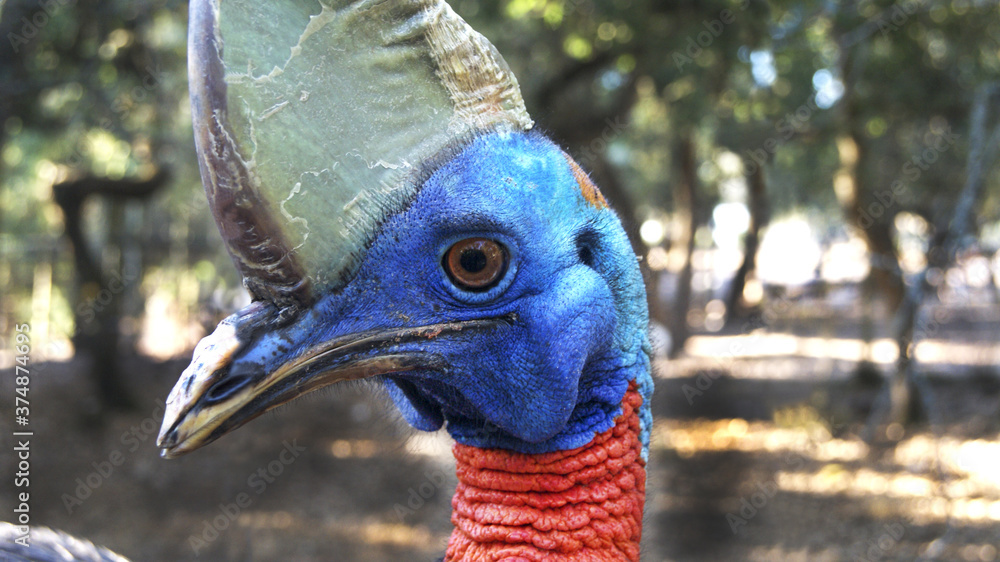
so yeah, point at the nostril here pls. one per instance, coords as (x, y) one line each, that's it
(226, 388)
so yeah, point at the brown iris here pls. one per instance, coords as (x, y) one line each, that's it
(475, 264)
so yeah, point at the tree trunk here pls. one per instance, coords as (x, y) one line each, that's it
(872, 220)
(98, 294)
(759, 215)
(941, 252)
(883, 289)
(685, 207)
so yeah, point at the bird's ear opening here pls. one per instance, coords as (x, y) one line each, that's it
(419, 412)
(586, 247)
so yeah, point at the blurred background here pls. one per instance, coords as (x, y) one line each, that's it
(811, 187)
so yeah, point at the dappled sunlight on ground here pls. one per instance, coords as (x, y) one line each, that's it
(688, 438)
(931, 351)
(968, 488)
(934, 495)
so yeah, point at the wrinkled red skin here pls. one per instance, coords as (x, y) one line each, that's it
(584, 504)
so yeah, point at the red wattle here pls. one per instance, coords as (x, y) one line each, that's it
(581, 504)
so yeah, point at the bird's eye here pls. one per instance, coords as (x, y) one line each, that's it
(476, 264)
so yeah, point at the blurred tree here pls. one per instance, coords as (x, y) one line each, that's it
(97, 327)
(92, 114)
(759, 215)
(897, 141)
(906, 389)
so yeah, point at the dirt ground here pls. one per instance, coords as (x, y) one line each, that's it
(764, 462)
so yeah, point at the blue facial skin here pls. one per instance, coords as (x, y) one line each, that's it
(547, 380)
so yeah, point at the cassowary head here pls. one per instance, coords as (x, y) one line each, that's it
(372, 172)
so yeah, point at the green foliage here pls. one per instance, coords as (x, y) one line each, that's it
(913, 67)
(94, 89)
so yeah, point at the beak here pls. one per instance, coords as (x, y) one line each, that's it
(220, 392)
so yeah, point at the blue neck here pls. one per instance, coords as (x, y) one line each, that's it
(602, 387)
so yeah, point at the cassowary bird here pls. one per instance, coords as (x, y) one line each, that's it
(372, 169)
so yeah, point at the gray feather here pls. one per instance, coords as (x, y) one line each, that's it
(47, 545)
